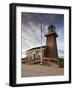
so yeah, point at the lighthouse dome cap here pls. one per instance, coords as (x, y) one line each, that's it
(51, 28)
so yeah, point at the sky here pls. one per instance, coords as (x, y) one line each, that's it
(31, 30)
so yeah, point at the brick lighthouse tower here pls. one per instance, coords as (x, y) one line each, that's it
(51, 42)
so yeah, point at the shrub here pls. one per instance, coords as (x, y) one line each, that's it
(61, 62)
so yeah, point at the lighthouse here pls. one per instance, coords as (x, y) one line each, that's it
(45, 54)
(51, 42)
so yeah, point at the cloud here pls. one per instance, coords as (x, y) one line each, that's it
(31, 30)
(60, 42)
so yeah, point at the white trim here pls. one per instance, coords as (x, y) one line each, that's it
(18, 47)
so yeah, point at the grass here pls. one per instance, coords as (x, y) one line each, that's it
(61, 62)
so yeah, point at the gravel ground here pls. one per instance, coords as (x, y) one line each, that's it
(40, 70)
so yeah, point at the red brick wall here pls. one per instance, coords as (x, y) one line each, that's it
(52, 45)
(29, 60)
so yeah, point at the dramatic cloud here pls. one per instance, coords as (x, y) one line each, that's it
(31, 30)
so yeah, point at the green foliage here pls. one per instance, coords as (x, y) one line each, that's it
(61, 62)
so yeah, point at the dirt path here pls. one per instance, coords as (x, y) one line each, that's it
(40, 70)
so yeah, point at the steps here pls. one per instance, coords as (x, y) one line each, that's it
(50, 62)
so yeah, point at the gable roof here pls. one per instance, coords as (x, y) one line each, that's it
(37, 48)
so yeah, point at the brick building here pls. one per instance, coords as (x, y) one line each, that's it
(47, 53)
